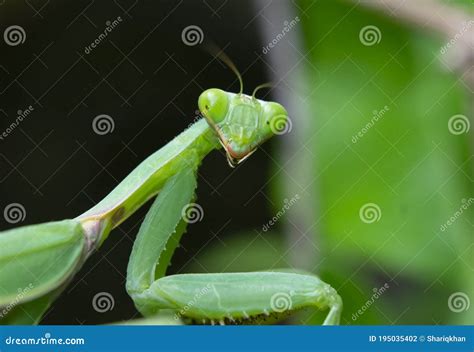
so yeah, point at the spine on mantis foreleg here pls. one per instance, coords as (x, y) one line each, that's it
(242, 298)
(37, 260)
(245, 298)
(159, 235)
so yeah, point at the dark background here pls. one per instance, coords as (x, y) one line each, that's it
(148, 81)
(411, 166)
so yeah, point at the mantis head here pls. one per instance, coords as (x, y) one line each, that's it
(241, 122)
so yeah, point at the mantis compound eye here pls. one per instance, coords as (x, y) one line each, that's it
(213, 104)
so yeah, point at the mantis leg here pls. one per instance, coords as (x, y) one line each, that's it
(29, 313)
(159, 236)
(258, 297)
(242, 298)
(35, 261)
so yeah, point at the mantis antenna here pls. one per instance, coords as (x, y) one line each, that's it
(45, 257)
(221, 55)
(261, 86)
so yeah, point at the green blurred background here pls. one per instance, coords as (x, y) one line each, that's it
(360, 191)
(407, 165)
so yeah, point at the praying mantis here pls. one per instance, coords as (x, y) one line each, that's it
(37, 262)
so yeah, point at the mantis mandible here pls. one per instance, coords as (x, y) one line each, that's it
(37, 262)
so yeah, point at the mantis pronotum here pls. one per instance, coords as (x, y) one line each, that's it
(45, 257)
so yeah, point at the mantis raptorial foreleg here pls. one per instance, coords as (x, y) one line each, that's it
(159, 235)
(259, 297)
(37, 262)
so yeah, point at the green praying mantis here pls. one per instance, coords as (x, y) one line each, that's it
(37, 262)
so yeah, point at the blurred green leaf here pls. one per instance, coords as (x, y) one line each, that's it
(406, 166)
(241, 252)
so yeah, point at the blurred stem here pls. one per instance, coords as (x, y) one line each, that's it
(448, 21)
(293, 90)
